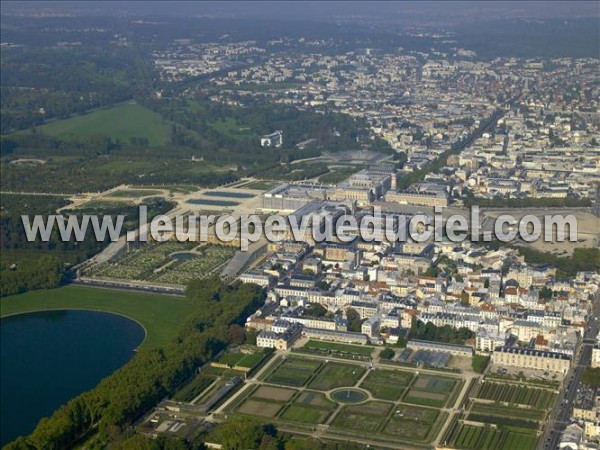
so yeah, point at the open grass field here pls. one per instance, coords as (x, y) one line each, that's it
(231, 359)
(175, 188)
(411, 422)
(467, 437)
(368, 417)
(540, 399)
(334, 375)
(387, 384)
(336, 347)
(227, 194)
(294, 372)
(162, 316)
(252, 360)
(119, 122)
(134, 193)
(212, 202)
(260, 185)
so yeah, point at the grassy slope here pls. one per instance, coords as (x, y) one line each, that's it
(161, 315)
(122, 121)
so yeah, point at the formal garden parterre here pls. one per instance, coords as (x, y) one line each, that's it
(296, 393)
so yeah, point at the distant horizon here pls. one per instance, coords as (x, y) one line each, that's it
(400, 12)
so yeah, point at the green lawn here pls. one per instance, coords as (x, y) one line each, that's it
(387, 384)
(122, 121)
(260, 185)
(335, 375)
(161, 315)
(134, 193)
(293, 372)
(304, 414)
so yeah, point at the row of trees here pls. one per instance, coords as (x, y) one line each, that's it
(499, 202)
(446, 333)
(110, 409)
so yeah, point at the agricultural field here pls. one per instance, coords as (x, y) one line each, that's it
(469, 437)
(387, 384)
(167, 263)
(293, 372)
(124, 121)
(540, 399)
(430, 390)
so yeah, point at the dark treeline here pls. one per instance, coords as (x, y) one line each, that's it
(498, 202)
(97, 162)
(109, 409)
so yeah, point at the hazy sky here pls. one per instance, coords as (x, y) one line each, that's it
(403, 12)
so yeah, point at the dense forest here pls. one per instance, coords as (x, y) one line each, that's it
(105, 413)
(39, 84)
